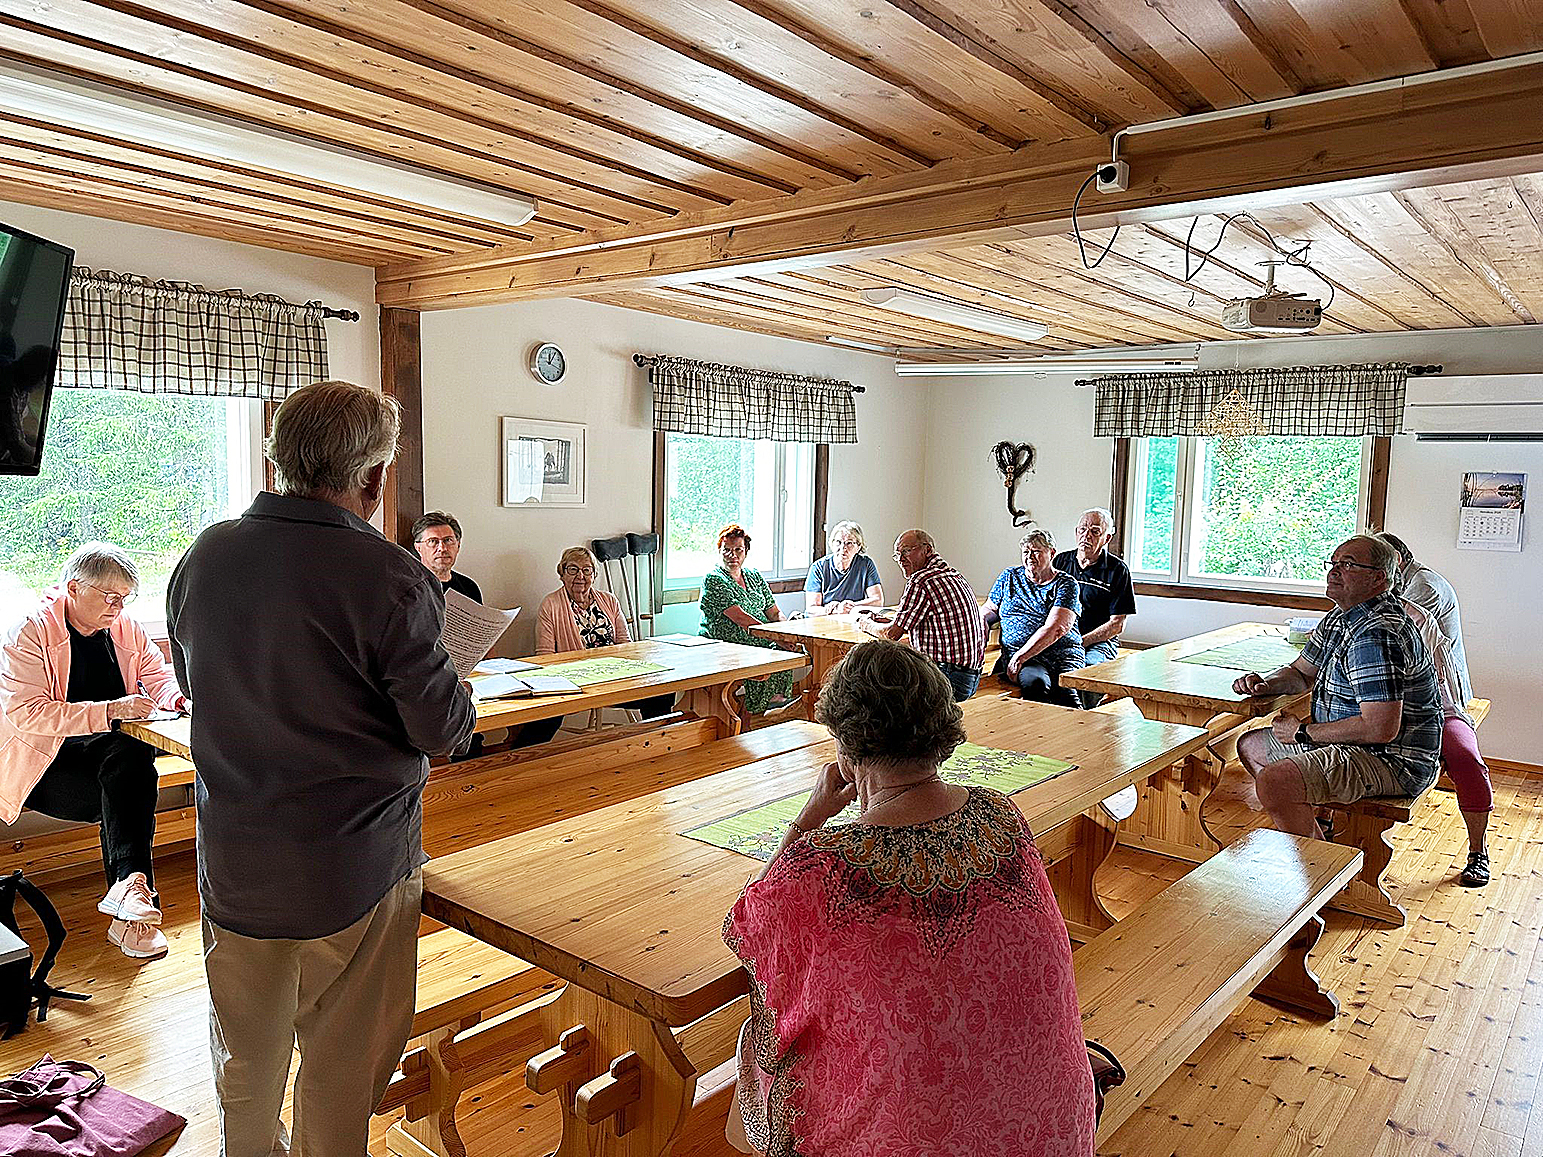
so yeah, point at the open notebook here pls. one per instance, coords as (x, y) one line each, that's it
(504, 686)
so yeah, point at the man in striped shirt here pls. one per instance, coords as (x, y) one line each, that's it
(938, 610)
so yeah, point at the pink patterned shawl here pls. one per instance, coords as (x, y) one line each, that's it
(912, 993)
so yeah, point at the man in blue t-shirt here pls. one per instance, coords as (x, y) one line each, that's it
(1103, 581)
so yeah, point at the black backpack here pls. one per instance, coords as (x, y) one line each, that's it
(18, 994)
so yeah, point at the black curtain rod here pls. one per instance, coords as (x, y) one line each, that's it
(644, 361)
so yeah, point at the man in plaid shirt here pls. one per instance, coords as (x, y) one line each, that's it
(938, 610)
(1374, 728)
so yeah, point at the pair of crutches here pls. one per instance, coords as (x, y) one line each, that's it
(619, 550)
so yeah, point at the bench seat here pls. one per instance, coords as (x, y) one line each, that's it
(75, 849)
(1366, 824)
(1159, 982)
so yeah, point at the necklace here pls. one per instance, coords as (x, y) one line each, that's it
(897, 794)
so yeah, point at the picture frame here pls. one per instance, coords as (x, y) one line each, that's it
(543, 462)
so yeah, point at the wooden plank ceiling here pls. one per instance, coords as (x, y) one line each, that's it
(618, 112)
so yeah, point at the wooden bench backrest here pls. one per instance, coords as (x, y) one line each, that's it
(1156, 984)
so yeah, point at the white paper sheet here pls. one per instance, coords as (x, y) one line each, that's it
(471, 629)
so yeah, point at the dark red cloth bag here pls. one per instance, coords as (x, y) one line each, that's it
(67, 1109)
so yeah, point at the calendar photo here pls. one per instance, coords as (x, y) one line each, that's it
(1490, 517)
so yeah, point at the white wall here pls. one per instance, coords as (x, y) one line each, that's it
(353, 348)
(965, 509)
(474, 372)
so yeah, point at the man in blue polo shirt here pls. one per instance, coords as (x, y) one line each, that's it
(1103, 582)
(1374, 728)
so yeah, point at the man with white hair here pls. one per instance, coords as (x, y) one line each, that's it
(72, 670)
(1103, 581)
(1374, 726)
(312, 646)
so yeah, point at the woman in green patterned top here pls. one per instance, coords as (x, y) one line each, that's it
(734, 599)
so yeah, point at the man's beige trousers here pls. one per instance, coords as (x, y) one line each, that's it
(346, 999)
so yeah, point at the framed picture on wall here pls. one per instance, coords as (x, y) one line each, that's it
(543, 463)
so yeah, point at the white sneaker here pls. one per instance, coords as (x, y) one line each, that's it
(130, 899)
(137, 939)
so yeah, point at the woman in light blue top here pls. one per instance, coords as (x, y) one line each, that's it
(844, 578)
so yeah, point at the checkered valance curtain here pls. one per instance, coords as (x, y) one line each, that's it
(1347, 401)
(123, 332)
(734, 402)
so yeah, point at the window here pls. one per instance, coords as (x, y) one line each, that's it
(147, 472)
(1251, 514)
(767, 487)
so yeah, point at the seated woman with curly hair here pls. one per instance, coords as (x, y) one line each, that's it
(911, 979)
(734, 599)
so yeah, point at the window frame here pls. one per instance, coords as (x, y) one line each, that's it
(1374, 486)
(786, 585)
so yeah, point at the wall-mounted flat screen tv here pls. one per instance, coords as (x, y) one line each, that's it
(34, 275)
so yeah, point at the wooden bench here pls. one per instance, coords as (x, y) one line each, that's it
(76, 850)
(1154, 986)
(1365, 825)
(461, 982)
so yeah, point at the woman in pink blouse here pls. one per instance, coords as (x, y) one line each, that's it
(912, 988)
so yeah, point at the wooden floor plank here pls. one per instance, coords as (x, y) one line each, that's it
(1442, 1028)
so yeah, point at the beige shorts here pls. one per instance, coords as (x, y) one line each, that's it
(1337, 773)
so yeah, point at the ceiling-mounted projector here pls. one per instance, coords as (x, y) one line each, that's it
(1272, 313)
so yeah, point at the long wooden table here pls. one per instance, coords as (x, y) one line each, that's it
(825, 639)
(1170, 817)
(706, 676)
(628, 911)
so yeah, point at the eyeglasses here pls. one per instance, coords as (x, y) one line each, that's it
(575, 569)
(735, 550)
(1331, 563)
(445, 541)
(112, 598)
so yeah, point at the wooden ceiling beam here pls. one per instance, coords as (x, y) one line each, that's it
(1340, 146)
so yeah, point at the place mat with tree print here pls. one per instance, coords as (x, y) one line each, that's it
(758, 830)
(602, 669)
(1261, 654)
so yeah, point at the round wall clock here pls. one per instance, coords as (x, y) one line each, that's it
(548, 363)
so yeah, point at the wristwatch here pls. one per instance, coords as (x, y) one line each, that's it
(1301, 735)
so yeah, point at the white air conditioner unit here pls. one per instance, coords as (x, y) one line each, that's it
(1488, 408)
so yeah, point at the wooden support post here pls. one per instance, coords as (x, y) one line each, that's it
(401, 377)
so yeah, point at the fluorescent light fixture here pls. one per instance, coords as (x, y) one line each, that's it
(938, 309)
(134, 119)
(1088, 368)
(853, 343)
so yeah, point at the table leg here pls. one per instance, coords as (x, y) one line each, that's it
(624, 1084)
(716, 702)
(1073, 852)
(1167, 819)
